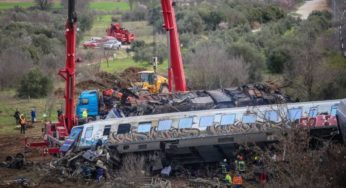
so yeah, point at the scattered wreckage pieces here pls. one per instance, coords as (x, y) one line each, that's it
(15, 162)
(201, 182)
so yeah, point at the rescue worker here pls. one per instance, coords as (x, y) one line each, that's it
(228, 180)
(238, 181)
(33, 115)
(240, 164)
(224, 166)
(22, 123)
(85, 115)
(17, 116)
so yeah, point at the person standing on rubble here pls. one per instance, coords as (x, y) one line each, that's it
(224, 167)
(228, 180)
(22, 123)
(85, 115)
(238, 181)
(240, 164)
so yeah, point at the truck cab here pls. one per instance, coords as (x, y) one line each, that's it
(88, 100)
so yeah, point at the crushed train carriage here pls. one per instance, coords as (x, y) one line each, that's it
(206, 135)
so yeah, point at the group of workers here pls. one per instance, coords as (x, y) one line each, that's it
(21, 120)
(239, 167)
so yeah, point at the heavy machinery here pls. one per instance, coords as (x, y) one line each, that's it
(55, 133)
(151, 81)
(121, 34)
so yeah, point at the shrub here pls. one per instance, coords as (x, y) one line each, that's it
(34, 84)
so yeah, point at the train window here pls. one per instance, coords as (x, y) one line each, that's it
(185, 123)
(88, 132)
(333, 110)
(227, 119)
(164, 125)
(313, 111)
(295, 113)
(144, 127)
(106, 130)
(123, 128)
(272, 115)
(249, 118)
(206, 121)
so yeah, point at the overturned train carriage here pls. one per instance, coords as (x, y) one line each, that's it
(208, 135)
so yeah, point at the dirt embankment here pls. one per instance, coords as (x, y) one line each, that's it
(310, 6)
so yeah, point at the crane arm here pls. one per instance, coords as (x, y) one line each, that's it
(68, 73)
(176, 68)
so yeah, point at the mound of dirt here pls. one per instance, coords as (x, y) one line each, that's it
(105, 80)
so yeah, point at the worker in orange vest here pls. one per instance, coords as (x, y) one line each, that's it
(238, 181)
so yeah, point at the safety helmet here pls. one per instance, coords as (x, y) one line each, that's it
(224, 160)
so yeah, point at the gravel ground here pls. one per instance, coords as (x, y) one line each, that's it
(310, 6)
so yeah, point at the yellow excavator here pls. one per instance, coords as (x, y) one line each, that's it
(151, 82)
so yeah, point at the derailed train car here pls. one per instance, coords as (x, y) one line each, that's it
(208, 135)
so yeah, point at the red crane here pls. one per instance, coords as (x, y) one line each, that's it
(176, 68)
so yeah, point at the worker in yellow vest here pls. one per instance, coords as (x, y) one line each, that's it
(238, 181)
(85, 115)
(228, 180)
(240, 164)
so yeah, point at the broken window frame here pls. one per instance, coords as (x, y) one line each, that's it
(169, 125)
(144, 127)
(268, 116)
(232, 117)
(249, 121)
(333, 109)
(88, 133)
(127, 130)
(296, 115)
(313, 111)
(185, 123)
(206, 121)
(106, 130)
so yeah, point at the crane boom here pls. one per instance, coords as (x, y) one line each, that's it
(68, 73)
(176, 69)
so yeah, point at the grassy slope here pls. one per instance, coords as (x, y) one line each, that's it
(121, 64)
(106, 6)
(8, 105)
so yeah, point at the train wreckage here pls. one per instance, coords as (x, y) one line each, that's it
(205, 136)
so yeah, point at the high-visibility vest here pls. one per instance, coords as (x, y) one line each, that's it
(84, 114)
(237, 180)
(223, 168)
(228, 179)
(241, 166)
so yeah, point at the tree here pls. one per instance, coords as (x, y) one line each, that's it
(34, 84)
(277, 59)
(44, 4)
(210, 67)
(251, 55)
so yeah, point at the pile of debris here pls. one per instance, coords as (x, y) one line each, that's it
(246, 95)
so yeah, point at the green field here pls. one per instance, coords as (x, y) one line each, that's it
(109, 6)
(121, 64)
(9, 103)
(8, 5)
